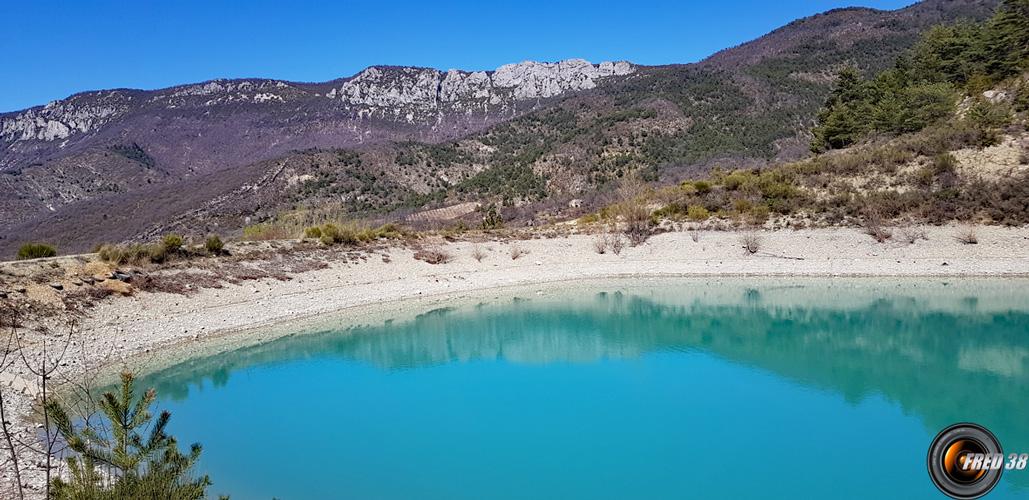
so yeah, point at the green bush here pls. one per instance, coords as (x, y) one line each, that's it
(214, 244)
(1022, 96)
(313, 232)
(944, 163)
(697, 213)
(172, 243)
(735, 180)
(135, 253)
(36, 251)
(759, 214)
(491, 218)
(390, 231)
(267, 231)
(332, 234)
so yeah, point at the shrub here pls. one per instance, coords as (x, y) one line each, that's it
(944, 163)
(36, 251)
(702, 187)
(986, 119)
(491, 218)
(172, 243)
(214, 244)
(478, 253)
(751, 242)
(614, 240)
(912, 234)
(313, 232)
(697, 213)
(390, 231)
(735, 180)
(967, 235)
(609, 241)
(433, 256)
(874, 226)
(266, 231)
(517, 251)
(332, 234)
(758, 214)
(135, 253)
(156, 253)
(633, 210)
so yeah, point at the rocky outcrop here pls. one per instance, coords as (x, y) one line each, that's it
(60, 119)
(412, 94)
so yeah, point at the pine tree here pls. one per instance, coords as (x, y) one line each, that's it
(137, 467)
(1006, 39)
(846, 116)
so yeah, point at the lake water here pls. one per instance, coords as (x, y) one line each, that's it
(664, 389)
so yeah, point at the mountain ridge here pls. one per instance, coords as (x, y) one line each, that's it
(752, 104)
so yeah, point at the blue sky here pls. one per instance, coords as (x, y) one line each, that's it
(51, 49)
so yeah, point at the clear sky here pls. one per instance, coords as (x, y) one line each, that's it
(50, 49)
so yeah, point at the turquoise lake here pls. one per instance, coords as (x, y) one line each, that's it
(690, 388)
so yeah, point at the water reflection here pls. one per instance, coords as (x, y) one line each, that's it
(943, 364)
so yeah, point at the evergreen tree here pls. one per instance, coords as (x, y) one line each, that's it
(137, 467)
(1006, 38)
(846, 116)
(923, 87)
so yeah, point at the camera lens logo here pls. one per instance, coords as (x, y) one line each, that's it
(965, 461)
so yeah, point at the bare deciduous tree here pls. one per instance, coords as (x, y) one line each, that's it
(632, 209)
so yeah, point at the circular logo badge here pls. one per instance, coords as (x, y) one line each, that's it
(965, 461)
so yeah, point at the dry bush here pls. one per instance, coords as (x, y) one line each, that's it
(85, 297)
(875, 227)
(695, 235)
(433, 255)
(751, 242)
(267, 231)
(600, 244)
(910, 235)
(616, 243)
(633, 210)
(181, 283)
(967, 235)
(478, 253)
(517, 251)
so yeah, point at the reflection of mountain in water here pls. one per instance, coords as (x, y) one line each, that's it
(943, 366)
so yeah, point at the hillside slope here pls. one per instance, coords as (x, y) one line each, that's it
(568, 133)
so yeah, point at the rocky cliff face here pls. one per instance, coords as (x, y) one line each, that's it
(417, 94)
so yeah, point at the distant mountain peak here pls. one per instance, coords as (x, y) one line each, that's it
(390, 91)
